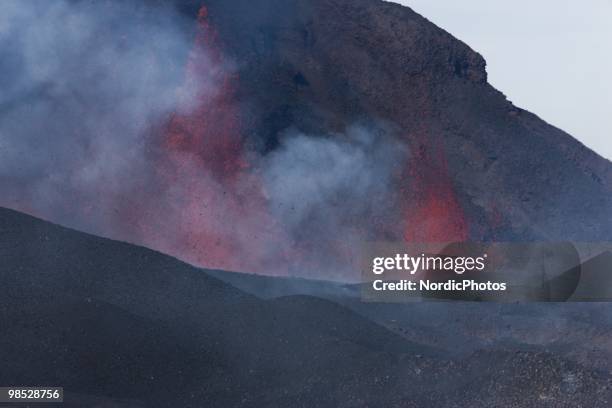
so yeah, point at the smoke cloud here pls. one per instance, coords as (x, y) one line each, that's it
(334, 193)
(120, 119)
(82, 83)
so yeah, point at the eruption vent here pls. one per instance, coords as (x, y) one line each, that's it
(435, 215)
(214, 206)
(144, 142)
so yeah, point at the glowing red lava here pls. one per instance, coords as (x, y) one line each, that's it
(434, 214)
(209, 127)
(208, 206)
(214, 208)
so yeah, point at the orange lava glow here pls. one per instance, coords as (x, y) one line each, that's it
(217, 213)
(434, 214)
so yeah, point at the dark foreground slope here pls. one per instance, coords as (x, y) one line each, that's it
(111, 319)
(574, 330)
(125, 326)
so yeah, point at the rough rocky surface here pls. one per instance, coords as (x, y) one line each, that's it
(120, 325)
(110, 319)
(320, 65)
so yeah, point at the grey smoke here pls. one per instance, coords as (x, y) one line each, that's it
(86, 86)
(82, 82)
(333, 190)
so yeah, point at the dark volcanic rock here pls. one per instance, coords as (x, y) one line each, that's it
(114, 320)
(320, 65)
(120, 325)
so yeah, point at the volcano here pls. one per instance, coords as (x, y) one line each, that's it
(301, 130)
(156, 140)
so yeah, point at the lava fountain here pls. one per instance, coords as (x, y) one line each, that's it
(211, 209)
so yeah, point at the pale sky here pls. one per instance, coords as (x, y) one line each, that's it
(551, 57)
